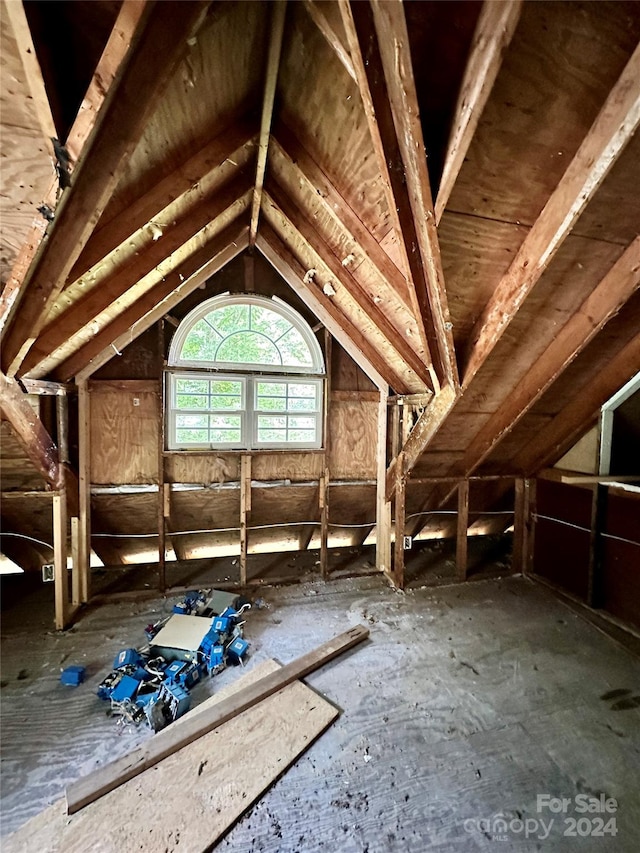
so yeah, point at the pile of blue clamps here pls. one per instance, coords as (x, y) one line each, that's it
(144, 686)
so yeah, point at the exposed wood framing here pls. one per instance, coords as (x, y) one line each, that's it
(400, 516)
(80, 320)
(462, 540)
(613, 128)
(308, 173)
(84, 496)
(425, 428)
(159, 301)
(30, 431)
(347, 336)
(181, 186)
(164, 494)
(278, 12)
(122, 120)
(76, 574)
(617, 286)
(595, 590)
(45, 388)
(570, 423)
(383, 505)
(320, 20)
(363, 45)
(324, 523)
(393, 43)
(61, 575)
(112, 56)
(494, 31)
(245, 513)
(15, 12)
(520, 524)
(342, 275)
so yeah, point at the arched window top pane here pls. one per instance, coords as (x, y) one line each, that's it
(246, 331)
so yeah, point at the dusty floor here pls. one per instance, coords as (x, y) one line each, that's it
(467, 704)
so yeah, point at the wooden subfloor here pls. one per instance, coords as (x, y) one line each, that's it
(468, 702)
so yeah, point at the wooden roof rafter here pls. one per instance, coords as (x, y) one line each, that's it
(60, 333)
(108, 66)
(348, 336)
(341, 274)
(319, 18)
(278, 13)
(161, 41)
(613, 128)
(193, 273)
(494, 31)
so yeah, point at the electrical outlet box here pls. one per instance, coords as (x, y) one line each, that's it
(407, 541)
(47, 573)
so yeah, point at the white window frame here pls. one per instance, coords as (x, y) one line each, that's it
(249, 375)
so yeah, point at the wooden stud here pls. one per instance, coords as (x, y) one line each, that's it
(245, 513)
(383, 506)
(462, 540)
(84, 496)
(320, 20)
(162, 497)
(76, 574)
(494, 31)
(519, 525)
(324, 524)
(152, 61)
(595, 590)
(613, 128)
(400, 513)
(61, 575)
(278, 12)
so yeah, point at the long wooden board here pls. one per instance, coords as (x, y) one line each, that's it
(192, 798)
(174, 738)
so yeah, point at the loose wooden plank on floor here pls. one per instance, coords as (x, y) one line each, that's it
(259, 745)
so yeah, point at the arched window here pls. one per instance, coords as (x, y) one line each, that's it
(245, 372)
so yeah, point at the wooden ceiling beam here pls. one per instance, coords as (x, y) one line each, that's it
(307, 171)
(30, 431)
(348, 336)
(494, 31)
(393, 43)
(184, 181)
(322, 23)
(82, 313)
(274, 194)
(151, 307)
(607, 298)
(569, 424)
(603, 144)
(278, 13)
(112, 56)
(160, 43)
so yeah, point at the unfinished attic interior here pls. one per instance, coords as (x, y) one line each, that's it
(345, 294)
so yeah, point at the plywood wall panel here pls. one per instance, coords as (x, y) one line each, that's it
(353, 427)
(124, 432)
(297, 467)
(202, 468)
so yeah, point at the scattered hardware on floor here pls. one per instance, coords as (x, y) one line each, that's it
(152, 684)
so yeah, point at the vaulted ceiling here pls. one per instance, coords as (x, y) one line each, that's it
(451, 187)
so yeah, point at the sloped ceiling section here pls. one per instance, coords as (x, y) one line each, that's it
(451, 187)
